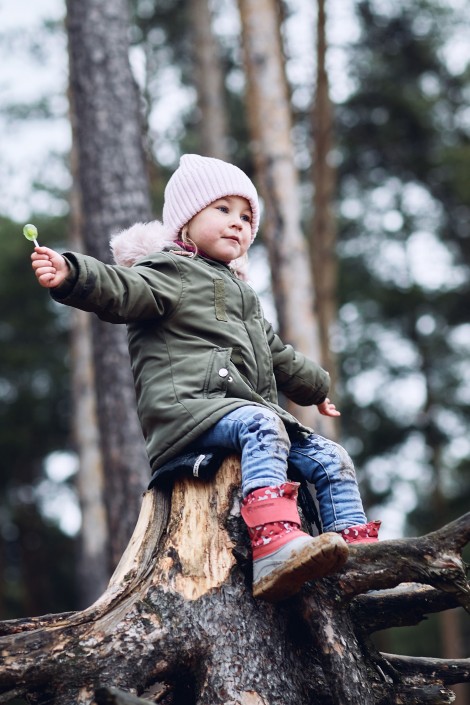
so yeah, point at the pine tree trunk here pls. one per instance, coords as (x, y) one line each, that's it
(209, 82)
(114, 194)
(92, 569)
(323, 233)
(268, 109)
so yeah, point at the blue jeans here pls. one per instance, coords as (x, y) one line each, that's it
(259, 435)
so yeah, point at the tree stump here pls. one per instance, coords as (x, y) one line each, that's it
(178, 625)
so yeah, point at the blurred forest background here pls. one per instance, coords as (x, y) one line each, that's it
(378, 100)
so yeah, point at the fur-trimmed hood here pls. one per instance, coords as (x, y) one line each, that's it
(137, 242)
(144, 239)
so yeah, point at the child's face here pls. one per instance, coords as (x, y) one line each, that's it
(223, 229)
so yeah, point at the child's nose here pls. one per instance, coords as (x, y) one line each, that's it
(237, 222)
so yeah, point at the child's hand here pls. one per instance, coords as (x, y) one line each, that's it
(50, 268)
(327, 408)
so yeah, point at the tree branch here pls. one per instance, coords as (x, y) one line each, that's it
(433, 559)
(69, 639)
(422, 695)
(447, 671)
(134, 567)
(402, 606)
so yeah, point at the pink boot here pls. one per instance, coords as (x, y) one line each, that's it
(284, 557)
(362, 533)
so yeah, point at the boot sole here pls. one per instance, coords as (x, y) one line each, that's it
(324, 555)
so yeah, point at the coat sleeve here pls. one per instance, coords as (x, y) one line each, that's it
(121, 294)
(299, 378)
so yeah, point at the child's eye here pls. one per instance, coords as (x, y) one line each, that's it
(224, 209)
(247, 218)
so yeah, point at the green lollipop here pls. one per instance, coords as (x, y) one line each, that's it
(30, 232)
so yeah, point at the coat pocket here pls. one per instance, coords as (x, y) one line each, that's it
(223, 378)
(218, 372)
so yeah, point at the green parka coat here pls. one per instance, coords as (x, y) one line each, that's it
(199, 344)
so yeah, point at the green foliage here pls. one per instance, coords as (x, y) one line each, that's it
(31, 365)
(34, 421)
(404, 206)
(403, 192)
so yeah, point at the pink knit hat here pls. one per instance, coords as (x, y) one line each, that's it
(198, 182)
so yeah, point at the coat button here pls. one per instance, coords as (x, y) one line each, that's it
(223, 372)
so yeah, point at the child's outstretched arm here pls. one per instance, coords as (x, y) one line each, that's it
(327, 408)
(50, 268)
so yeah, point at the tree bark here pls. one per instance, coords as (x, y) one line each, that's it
(268, 108)
(178, 624)
(114, 194)
(92, 569)
(323, 230)
(209, 82)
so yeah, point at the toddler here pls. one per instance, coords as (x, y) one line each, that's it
(207, 367)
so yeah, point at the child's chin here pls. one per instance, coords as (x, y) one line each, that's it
(226, 257)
